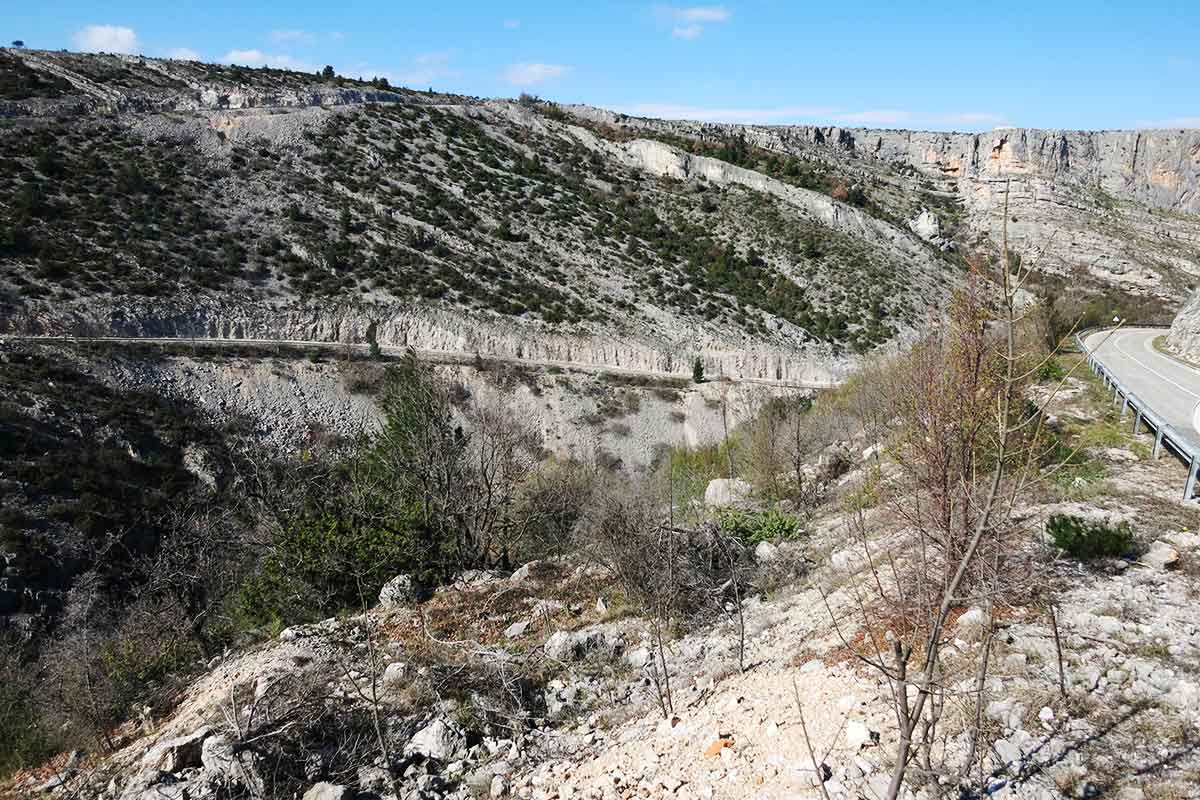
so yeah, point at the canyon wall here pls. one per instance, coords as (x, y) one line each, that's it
(440, 331)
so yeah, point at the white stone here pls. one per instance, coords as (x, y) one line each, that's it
(516, 630)
(723, 492)
(328, 791)
(1161, 556)
(765, 552)
(439, 739)
(858, 735)
(399, 591)
(973, 624)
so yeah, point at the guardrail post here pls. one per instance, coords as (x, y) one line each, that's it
(1190, 488)
(1137, 423)
(1125, 407)
(1157, 451)
(1116, 394)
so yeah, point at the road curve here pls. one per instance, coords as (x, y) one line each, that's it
(440, 356)
(1168, 386)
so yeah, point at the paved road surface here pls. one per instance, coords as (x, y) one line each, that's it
(1169, 387)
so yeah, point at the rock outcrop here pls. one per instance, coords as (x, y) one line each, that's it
(1086, 201)
(435, 330)
(1184, 337)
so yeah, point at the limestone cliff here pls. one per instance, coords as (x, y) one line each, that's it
(1184, 338)
(1117, 207)
(432, 330)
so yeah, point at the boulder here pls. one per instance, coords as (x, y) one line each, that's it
(973, 624)
(765, 552)
(516, 630)
(440, 740)
(394, 673)
(174, 755)
(149, 784)
(400, 590)
(1161, 556)
(926, 225)
(638, 657)
(229, 767)
(526, 571)
(477, 577)
(561, 646)
(723, 492)
(374, 779)
(858, 735)
(328, 791)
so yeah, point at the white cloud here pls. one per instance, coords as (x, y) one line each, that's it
(512, 24)
(257, 58)
(702, 14)
(814, 114)
(292, 35)
(106, 39)
(182, 54)
(688, 22)
(528, 74)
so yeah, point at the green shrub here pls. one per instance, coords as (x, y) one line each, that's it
(1051, 371)
(1086, 540)
(334, 559)
(755, 527)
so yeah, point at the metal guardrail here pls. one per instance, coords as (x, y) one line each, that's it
(1165, 435)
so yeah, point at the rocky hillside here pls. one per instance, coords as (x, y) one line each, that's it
(540, 682)
(1114, 207)
(149, 197)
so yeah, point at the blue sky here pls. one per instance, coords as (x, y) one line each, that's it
(961, 66)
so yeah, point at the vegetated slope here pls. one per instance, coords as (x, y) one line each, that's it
(1101, 208)
(431, 220)
(87, 475)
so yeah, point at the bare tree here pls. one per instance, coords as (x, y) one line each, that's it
(966, 443)
(674, 574)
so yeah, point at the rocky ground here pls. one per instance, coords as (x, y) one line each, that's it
(1124, 721)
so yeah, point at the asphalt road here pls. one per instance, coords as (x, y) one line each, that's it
(1169, 387)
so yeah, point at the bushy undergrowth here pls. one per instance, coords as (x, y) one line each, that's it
(753, 527)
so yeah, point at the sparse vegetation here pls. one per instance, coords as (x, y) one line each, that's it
(1086, 540)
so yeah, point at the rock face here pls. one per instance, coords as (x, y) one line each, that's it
(1091, 189)
(180, 86)
(431, 330)
(1184, 337)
